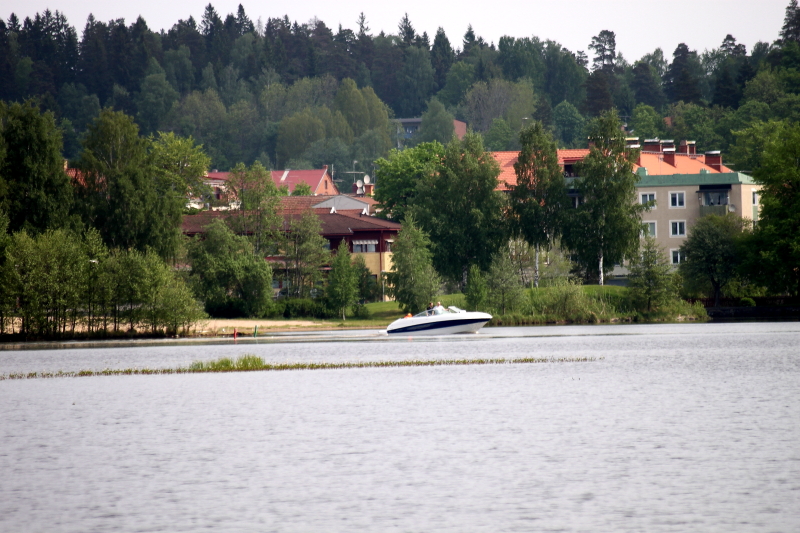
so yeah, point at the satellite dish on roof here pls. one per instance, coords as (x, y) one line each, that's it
(366, 179)
(360, 183)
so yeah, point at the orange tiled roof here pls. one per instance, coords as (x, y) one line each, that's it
(684, 164)
(653, 161)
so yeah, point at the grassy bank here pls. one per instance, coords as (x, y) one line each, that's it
(562, 304)
(252, 363)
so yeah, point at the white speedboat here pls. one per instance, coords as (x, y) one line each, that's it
(451, 320)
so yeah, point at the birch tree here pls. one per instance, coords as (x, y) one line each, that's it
(539, 197)
(604, 229)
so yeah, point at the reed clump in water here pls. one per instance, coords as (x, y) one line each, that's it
(250, 363)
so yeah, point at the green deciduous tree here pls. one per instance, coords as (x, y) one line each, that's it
(459, 79)
(646, 122)
(302, 189)
(604, 229)
(182, 162)
(305, 254)
(651, 282)
(413, 280)
(477, 293)
(437, 124)
(778, 227)
(297, 133)
(499, 137)
(122, 194)
(712, 252)
(155, 98)
(460, 208)
(227, 276)
(351, 103)
(398, 175)
(259, 201)
(342, 280)
(569, 124)
(539, 198)
(35, 192)
(503, 283)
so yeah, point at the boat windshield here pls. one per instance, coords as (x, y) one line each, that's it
(451, 309)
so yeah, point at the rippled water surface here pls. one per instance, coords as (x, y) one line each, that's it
(672, 428)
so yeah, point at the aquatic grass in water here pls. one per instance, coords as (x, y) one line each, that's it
(250, 363)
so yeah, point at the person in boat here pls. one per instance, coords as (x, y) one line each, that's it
(438, 310)
(429, 309)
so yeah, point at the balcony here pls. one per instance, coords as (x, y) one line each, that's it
(719, 210)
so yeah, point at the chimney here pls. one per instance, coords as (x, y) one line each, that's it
(669, 156)
(714, 160)
(368, 189)
(652, 145)
(692, 147)
(631, 142)
(687, 147)
(667, 143)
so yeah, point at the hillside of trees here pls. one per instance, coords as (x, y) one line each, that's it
(296, 95)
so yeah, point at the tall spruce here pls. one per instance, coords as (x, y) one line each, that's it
(34, 189)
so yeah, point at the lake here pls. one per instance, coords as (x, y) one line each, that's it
(677, 427)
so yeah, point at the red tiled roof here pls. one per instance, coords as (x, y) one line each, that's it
(289, 178)
(572, 155)
(194, 224)
(292, 178)
(218, 176)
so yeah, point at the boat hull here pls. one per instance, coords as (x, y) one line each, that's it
(446, 324)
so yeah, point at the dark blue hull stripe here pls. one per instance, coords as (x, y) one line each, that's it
(438, 325)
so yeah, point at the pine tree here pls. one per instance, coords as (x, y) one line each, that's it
(791, 23)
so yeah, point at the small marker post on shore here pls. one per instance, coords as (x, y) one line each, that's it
(234, 333)
(255, 331)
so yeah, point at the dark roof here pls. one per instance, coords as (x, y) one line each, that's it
(344, 222)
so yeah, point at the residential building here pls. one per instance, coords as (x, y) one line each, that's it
(342, 218)
(318, 180)
(682, 184)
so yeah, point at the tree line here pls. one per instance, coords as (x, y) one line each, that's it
(98, 247)
(273, 91)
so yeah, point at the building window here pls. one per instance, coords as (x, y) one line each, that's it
(647, 197)
(388, 246)
(677, 228)
(677, 199)
(677, 257)
(649, 229)
(363, 247)
(755, 197)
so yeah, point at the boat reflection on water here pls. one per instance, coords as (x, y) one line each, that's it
(445, 322)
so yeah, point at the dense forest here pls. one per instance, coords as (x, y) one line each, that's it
(292, 94)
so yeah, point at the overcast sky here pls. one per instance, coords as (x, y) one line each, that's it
(640, 25)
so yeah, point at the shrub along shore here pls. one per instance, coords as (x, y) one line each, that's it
(566, 303)
(253, 363)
